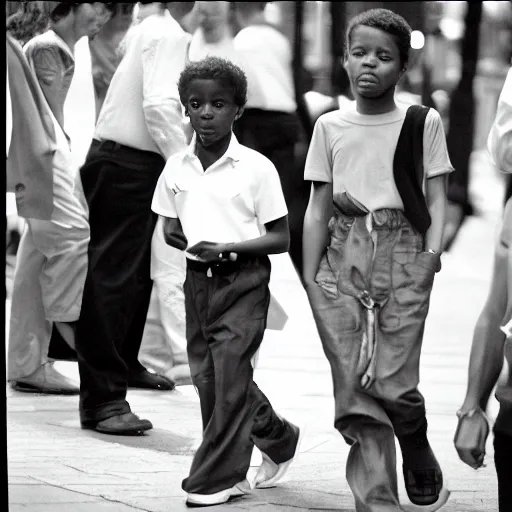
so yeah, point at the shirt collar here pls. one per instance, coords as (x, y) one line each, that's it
(232, 153)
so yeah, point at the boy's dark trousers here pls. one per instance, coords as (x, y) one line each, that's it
(118, 183)
(226, 310)
(389, 262)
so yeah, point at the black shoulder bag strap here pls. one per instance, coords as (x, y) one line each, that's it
(408, 168)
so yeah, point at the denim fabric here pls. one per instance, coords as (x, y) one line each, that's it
(388, 262)
(226, 317)
(118, 184)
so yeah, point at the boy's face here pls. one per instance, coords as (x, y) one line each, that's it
(372, 62)
(212, 109)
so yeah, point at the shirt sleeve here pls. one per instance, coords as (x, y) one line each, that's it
(499, 142)
(269, 199)
(436, 160)
(319, 158)
(163, 202)
(8, 110)
(49, 70)
(163, 59)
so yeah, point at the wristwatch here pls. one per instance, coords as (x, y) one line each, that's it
(432, 251)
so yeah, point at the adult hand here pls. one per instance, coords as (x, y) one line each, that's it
(470, 438)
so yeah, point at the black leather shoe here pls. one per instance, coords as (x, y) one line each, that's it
(128, 424)
(147, 380)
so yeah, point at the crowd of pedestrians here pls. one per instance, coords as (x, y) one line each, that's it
(146, 255)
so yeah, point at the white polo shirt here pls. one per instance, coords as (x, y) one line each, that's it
(228, 202)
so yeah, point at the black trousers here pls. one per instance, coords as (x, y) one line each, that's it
(275, 135)
(118, 182)
(508, 188)
(503, 461)
(226, 313)
(503, 456)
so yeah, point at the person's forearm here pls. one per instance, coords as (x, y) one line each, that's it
(165, 125)
(436, 203)
(173, 233)
(269, 243)
(314, 240)
(486, 360)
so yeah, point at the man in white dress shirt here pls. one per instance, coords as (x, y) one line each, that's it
(138, 129)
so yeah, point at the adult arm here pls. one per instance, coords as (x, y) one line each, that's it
(486, 359)
(485, 366)
(163, 58)
(499, 142)
(49, 72)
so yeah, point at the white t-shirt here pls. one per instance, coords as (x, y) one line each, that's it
(228, 202)
(355, 152)
(267, 60)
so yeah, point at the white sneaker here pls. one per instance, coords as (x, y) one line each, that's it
(195, 500)
(444, 494)
(269, 472)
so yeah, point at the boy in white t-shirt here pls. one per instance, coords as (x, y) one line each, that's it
(215, 197)
(372, 236)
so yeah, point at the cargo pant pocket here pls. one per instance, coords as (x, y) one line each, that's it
(412, 279)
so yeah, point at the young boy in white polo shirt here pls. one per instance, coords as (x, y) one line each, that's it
(224, 206)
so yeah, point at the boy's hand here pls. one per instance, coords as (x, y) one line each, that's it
(209, 252)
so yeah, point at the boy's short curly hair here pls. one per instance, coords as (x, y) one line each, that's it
(215, 68)
(389, 22)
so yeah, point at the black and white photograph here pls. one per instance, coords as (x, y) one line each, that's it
(258, 256)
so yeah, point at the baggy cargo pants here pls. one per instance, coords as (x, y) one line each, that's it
(376, 395)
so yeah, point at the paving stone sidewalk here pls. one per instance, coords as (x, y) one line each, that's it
(54, 466)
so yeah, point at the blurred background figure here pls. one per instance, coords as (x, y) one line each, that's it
(24, 20)
(492, 339)
(80, 107)
(138, 129)
(105, 53)
(52, 259)
(213, 34)
(270, 123)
